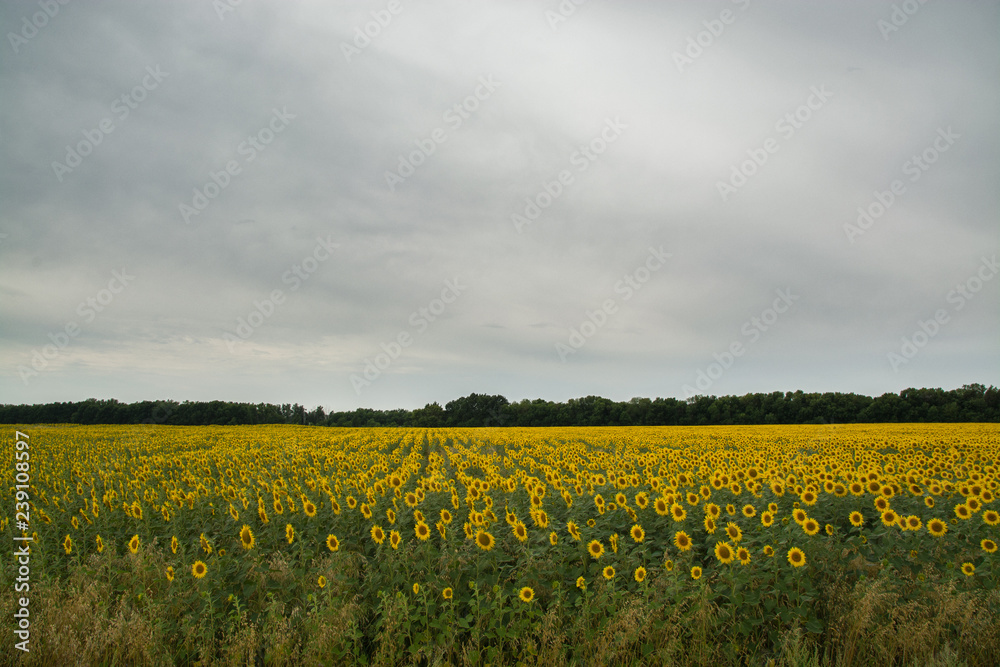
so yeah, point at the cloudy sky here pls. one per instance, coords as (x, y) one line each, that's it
(385, 204)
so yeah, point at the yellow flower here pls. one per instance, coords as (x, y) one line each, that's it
(682, 540)
(553, 538)
(796, 557)
(170, 573)
(68, 543)
(447, 593)
(133, 544)
(416, 588)
(937, 527)
(810, 526)
(595, 549)
(743, 555)
(581, 583)
(246, 537)
(608, 572)
(289, 533)
(422, 530)
(484, 540)
(394, 539)
(100, 544)
(768, 550)
(991, 517)
(723, 552)
(321, 582)
(637, 533)
(696, 572)
(640, 574)
(734, 532)
(989, 546)
(378, 535)
(526, 594)
(856, 519)
(199, 569)
(668, 565)
(968, 569)
(332, 543)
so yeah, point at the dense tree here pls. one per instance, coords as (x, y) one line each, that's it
(971, 403)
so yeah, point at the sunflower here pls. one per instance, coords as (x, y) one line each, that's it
(378, 535)
(351, 502)
(749, 511)
(962, 512)
(68, 543)
(637, 533)
(595, 549)
(289, 533)
(246, 537)
(989, 546)
(332, 543)
(170, 573)
(641, 500)
(829, 529)
(394, 539)
(278, 508)
(677, 512)
(856, 519)
(889, 518)
(640, 574)
(709, 525)
(881, 503)
(661, 507)
(366, 511)
(133, 544)
(422, 530)
(321, 582)
(743, 555)
(766, 519)
(484, 540)
(856, 488)
(808, 497)
(768, 550)
(800, 516)
(553, 538)
(526, 594)
(696, 572)
(929, 502)
(573, 530)
(913, 522)
(682, 540)
(796, 557)
(991, 517)
(810, 526)
(390, 515)
(968, 569)
(668, 565)
(581, 583)
(734, 532)
(233, 513)
(100, 544)
(199, 569)
(520, 532)
(712, 510)
(724, 552)
(608, 573)
(205, 544)
(730, 509)
(692, 498)
(937, 527)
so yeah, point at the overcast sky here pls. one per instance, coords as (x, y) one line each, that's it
(385, 204)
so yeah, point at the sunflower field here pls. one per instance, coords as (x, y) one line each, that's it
(853, 544)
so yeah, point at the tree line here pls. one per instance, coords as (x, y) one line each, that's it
(971, 403)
